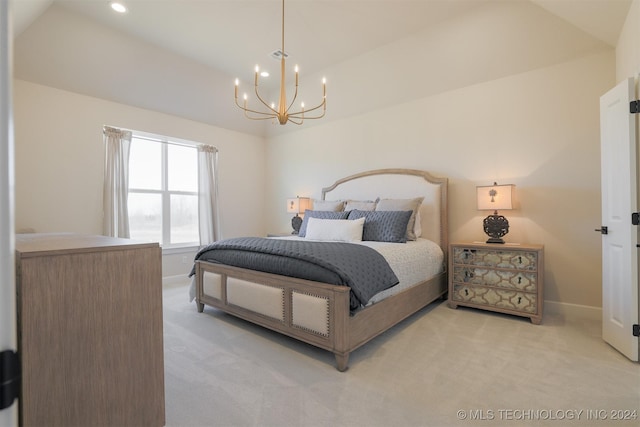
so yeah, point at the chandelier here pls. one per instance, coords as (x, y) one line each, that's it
(283, 111)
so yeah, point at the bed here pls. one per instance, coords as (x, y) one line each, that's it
(322, 314)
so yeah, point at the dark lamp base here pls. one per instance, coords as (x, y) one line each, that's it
(495, 240)
(296, 222)
(495, 226)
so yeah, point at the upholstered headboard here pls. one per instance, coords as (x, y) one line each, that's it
(400, 184)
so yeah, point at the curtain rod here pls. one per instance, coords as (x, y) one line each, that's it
(181, 144)
(145, 136)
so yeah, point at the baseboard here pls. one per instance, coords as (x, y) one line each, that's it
(179, 280)
(573, 311)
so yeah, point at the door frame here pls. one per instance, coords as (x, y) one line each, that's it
(8, 327)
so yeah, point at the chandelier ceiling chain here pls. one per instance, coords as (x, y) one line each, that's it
(282, 113)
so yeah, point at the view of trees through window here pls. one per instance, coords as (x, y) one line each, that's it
(163, 192)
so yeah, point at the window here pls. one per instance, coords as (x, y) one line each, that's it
(163, 192)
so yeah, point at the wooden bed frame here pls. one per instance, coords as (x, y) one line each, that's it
(318, 313)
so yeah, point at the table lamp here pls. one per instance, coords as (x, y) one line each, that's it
(297, 205)
(495, 197)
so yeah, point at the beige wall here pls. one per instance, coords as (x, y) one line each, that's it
(59, 162)
(628, 48)
(537, 129)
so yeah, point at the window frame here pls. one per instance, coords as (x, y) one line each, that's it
(164, 192)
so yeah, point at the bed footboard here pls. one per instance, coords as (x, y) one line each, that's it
(312, 312)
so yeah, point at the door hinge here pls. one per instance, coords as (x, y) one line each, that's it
(636, 330)
(9, 378)
(634, 107)
(635, 218)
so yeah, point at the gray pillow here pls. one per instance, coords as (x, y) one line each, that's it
(383, 226)
(403, 205)
(319, 214)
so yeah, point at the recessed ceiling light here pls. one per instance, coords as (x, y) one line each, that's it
(118, 7)
(264, 73)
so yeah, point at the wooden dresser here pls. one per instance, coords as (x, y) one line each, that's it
(89, 331)
(506, 278)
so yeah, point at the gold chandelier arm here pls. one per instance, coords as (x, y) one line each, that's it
(295, 95)
(266, 116)
(264, 102)
(295, 122)
(245, 109)
(257, 118)
(302, 114)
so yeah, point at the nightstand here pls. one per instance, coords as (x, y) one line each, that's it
(506, 278)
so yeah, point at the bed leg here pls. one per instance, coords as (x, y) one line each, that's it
(342, 361)
(200, 306)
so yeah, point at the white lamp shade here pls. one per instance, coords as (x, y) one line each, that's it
(293, 205)
(495, 197)
(298, 205)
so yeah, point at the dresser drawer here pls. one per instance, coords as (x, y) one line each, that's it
(493, 297)
(510, 279)
(506, 278)
(519, 260)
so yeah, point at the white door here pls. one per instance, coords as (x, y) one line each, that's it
(619, 201)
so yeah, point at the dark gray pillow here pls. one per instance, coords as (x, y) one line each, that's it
(383, 226)
(322, 215)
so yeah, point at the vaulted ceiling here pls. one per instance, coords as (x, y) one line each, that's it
(181, 56)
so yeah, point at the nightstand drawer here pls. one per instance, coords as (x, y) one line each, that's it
(510, 279)
(499, 298)
(519, 260)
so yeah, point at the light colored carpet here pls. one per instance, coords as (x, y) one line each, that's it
(441, 367)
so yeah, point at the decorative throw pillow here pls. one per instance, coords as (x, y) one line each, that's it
(403, 205)
(361, 205)
(383, 226)
(328, 205)
(340, 230)
(319, 214)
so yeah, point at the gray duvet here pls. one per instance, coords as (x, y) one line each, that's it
(359, 267)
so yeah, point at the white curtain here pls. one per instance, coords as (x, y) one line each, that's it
(117, 143)
(208, 194)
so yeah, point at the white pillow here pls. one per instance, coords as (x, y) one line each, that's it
(340, 230)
